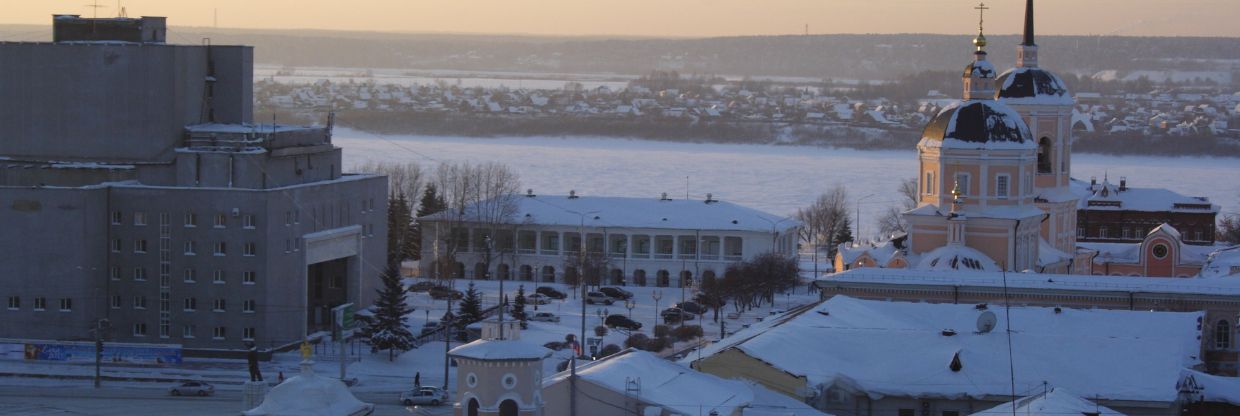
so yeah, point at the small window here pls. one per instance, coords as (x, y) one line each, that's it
(116, 301)
(249, 249)
(929, 188)
(248, 306)
(139, 246)
(296, 217)
(1127, 232)
(66, 304)
(191, 304)
(40, 303)
(164, 328)
(191, 248)
(187, 331)
(115, 273)
(139, 218)
(962, 180)
(221, 220)
(221, 249)
(190, 276)
(1001, 186)
(1080, 232)
(220, 305)
(117, 218)
(219, 278)
(219, 333)
(1222, 335)
(139, 302)
(1160, 251)
(191, 220)
(139, 330)
(1102, 232)
(116, 245)
(247, 221)
(139, 274)
(247, 334)
(248, 278)
(15, 302)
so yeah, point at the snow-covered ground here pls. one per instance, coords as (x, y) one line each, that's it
(777, 179)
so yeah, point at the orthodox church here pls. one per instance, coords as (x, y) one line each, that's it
(994, 170)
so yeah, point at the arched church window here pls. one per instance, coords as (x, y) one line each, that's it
(1044, 155)
(1222, 335)
(929, 188)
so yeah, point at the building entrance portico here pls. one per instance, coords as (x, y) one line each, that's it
(333, 273)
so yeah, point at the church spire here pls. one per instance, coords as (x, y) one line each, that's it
(1027, 52)
(979, 76)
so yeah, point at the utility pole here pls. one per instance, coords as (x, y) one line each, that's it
(858, 225)
(99, 326)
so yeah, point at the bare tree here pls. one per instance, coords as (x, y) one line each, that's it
(823, 219)
(482, 196)
(404, 178)
(892, 221)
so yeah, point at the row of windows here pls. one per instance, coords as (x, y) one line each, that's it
(294, 216)
(190, 304)
(191, 220)
(1133, 233)
(40, 303)
(1002, 184)
(188, 331)
(190, 275)
(190, 248)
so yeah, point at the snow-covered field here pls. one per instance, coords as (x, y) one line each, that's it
(778, 179)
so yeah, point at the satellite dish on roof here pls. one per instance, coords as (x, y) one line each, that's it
(986, 322)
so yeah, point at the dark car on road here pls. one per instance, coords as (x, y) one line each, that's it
(673, 315)
(422, 286)
(616, 293)
(622, 322)
(550, 292)
(440, 292)
(691, 307)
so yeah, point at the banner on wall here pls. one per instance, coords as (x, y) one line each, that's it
(70, 351)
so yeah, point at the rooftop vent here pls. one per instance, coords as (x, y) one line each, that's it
(956, 366)
(710, 199)
(949, 332)
(572, 194)
(1058, 309)
(529, 193)
(980, 307)
(664, 197)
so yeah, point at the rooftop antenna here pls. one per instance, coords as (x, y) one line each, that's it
(215, 19)
(120, 10)
(94, 15)
(686, 187)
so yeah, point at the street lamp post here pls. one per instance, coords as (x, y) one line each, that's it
(581, 265)
(657, 294)
(630, 304)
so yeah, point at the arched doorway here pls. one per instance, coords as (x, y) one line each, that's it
(570, 275)
(503, 272)
(548, 274)
(708, 275)
(434, 271)
(639, 277)
(527, 273)
(686, 278)
(663, 278)
(459, 271)
(508, 408)
(472, 408)
(617, 277)
(480, 270)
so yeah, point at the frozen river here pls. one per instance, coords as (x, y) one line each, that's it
(778, 179)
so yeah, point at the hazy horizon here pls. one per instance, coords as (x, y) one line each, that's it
(679, 18)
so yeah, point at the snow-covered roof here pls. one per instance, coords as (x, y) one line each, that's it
(683, 390)
(246, 128)
(957, 257)
(1164, 285)
(1105, 196)
(978, 124)
(1033, 86)
(1222, 263)
(1011, 212)
(902, 349)
(309, 394)
(495, 350)
(1214, 388)
(1131, 252)
(1055, 401)
(881, 253)
(626, 212)
(1049, 255)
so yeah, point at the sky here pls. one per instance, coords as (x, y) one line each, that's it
(667, 18)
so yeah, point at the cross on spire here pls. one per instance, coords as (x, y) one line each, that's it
(981, 15)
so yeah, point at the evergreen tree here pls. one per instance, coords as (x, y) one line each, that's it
(518, 305)
(398, 221)
(844, 233)
(387, 330)
(470, 309)
(431, 203)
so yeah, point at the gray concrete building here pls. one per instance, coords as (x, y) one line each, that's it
(134, 187)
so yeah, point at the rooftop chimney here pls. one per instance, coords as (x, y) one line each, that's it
(572, 194)
(1123, 183)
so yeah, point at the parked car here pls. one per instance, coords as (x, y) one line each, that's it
(691, 307)
(192, 388)
(550, 292)
(440, 292)
(544, 317)
(422, 286)
(676, 315)
(616, 293)
(622, 322)
(538, 299)
(431, 326)
(598, 297)
(433, 396)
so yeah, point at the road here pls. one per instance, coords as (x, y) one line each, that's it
(149, 400)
